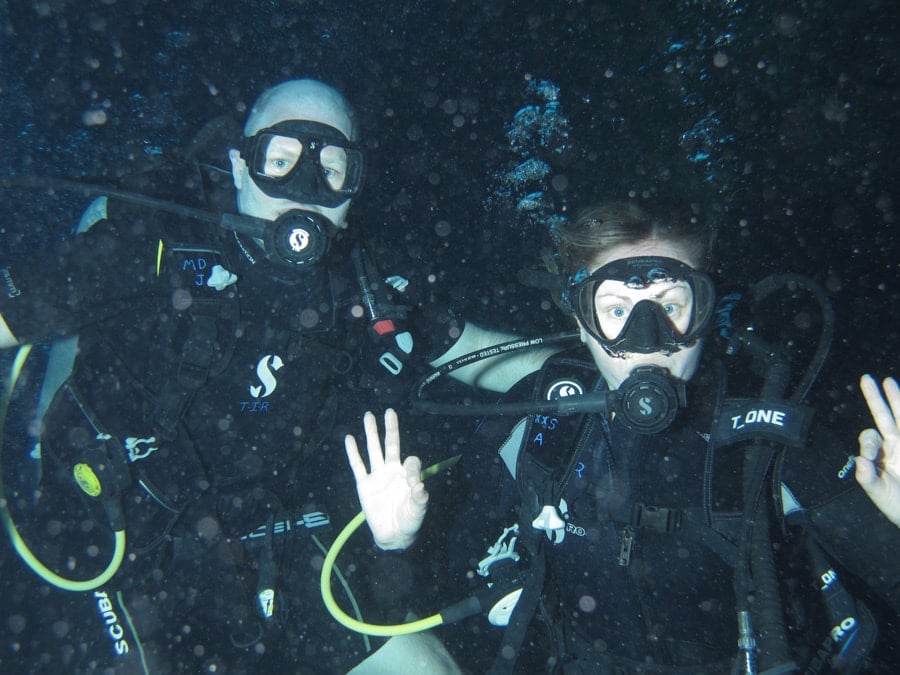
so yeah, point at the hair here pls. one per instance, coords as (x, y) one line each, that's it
(613, 223)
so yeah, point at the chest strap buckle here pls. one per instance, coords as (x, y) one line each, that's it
(656, 518)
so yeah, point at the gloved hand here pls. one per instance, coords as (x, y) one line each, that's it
(392, 495)
(878, 464)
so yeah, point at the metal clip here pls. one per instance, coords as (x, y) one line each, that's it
(627, 546)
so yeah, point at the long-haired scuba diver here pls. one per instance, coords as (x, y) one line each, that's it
(648, 548)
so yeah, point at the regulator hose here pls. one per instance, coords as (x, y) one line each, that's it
(18, 543)
(466, 608)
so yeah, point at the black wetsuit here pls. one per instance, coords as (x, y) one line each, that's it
(633, 586)
(216, 408)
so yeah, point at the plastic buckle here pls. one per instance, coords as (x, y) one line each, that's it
(502, 549)
(656, 518)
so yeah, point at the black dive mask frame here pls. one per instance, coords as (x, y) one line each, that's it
(648, 329)
(306, 182)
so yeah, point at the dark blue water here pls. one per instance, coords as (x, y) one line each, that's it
(778, 120)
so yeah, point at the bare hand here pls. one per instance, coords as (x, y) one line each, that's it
(878, 464)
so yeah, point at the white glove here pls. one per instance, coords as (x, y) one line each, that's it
(878, 463)
(392, 496)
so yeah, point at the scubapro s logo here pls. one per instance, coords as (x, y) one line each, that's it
(646, 405)
(563, 388)
(264, 369)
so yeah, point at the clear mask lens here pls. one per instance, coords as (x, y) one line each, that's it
(305, 162)
(644, 304)
(614, 303)
(278, 156)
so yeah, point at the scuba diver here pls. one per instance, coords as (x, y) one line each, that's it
(187, 423)
(640, 513)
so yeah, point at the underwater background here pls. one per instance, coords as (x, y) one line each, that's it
(484, 122)
(778, 120)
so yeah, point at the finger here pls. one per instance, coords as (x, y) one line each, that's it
(391, 437)
(884, 419)
(356, 462)
(892, 391)
(373, 442)
(870, 444)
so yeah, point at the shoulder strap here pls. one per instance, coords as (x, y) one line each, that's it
(191, 371)
(527, 605)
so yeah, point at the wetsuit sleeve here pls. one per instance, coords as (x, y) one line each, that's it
(86, 278)
(820, 491)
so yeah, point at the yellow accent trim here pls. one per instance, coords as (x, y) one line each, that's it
(159, 255)
(87, 480)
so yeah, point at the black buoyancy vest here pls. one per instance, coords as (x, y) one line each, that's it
(545, 451)
(550, 448)
(136, 371)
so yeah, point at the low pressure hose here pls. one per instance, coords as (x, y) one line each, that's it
(468, 607)
(18, 543)
(777, 282)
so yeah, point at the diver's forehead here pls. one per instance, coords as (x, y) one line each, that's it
(662, 248)
(657, 289)
(305, 108)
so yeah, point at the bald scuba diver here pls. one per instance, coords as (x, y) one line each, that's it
(186, 430)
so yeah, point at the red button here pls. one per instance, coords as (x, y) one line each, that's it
(384, 327)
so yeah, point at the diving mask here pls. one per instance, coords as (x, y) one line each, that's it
(643, 305)
(305, 162)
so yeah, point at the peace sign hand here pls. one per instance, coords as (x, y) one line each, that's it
(878, 464)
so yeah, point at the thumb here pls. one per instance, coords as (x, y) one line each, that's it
(419, 495)
(413, 467)
(865, 473)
